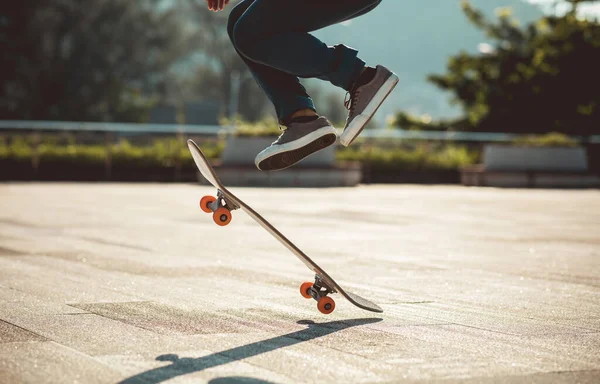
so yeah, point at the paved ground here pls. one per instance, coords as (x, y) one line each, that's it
(104, 283)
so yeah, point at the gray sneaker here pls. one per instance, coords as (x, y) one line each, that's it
(364, 100)
(297, 141)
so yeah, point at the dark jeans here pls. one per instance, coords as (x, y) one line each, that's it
(272, 37)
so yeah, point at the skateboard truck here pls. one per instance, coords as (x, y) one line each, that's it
(220, 207)
(223, 201)
(319, 291)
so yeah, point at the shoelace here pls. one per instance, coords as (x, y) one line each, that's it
(350, 99)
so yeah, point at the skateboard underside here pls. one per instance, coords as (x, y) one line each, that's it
(225, 202)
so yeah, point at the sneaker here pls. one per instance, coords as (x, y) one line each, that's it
(372, 87)
(299, 140)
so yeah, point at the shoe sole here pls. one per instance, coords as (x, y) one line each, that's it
(356, 126)
(287, 156)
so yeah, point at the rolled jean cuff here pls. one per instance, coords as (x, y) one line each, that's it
(347, 67)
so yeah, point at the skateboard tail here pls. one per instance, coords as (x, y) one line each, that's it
(363, 303)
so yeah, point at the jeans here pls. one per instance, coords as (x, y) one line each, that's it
(273, 39)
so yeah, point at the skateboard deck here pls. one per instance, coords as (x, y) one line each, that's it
(221, 208)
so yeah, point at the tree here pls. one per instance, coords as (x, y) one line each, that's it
(535, 79)
(70, 60)
(216, 64)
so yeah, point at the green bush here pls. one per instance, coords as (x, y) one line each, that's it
(88, 155)
(160, 153)
(417, 157)
(266, 127)
(450, 157)
(19, 149)
(166, 153)
(552, 139)
(4, 151)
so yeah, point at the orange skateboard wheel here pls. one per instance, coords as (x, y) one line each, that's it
(304, 288)
(205, 201)
(326, 305)
(222, 216)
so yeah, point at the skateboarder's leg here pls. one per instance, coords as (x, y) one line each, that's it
(290, 99)
(272, 38)
(283, 89)
(275, 33)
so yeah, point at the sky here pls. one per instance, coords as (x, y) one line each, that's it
(585, 10)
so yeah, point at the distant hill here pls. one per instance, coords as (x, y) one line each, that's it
(415, 38)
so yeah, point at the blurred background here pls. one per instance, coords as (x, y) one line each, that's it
(110, 90)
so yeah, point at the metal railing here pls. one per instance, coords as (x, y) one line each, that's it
(110, 127)
(144, 128)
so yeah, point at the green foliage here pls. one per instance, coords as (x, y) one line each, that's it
(19, 149)
(426, 123)
(552, 139)
(80, 61)
(536, 79)
(268, 126)
(164, 153)
(85, 155)
(421, 156)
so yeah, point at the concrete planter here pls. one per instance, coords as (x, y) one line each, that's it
(531, 167)
(543, 159)
(241, 150)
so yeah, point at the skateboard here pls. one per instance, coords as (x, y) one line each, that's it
(225, 202)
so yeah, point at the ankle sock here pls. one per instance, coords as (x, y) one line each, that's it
(304, 119)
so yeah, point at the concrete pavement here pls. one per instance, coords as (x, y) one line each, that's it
(108, 283)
